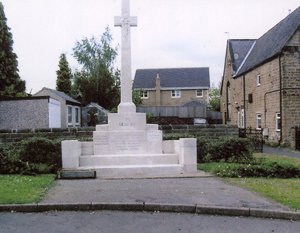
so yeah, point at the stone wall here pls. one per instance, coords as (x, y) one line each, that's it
(8, 136)
(208, 131)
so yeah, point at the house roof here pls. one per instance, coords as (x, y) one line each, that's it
(185, 78)
(239, 49)
(60, 94)
(271, 43)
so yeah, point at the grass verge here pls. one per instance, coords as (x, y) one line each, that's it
(284, 191)
(18, 189)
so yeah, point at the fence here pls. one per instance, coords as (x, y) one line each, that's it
(256, 137)
(182, 112)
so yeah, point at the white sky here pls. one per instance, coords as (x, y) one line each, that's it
(170, 33)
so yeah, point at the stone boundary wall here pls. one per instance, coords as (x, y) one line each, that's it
(7, 136)
(208, 131)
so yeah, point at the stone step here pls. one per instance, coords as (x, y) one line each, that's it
(134, 159)
(137, 171)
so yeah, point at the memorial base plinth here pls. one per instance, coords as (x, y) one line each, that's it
(127, 147)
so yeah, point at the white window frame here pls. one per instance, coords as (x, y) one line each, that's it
(258, 80)
(77, 121)
(258, 120)
(175, 93)
(278, 119)
(241, 118)
(144, 94)
(197, 94)
(69, 107)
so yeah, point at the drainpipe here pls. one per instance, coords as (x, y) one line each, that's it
(244, 90)
(280, 98)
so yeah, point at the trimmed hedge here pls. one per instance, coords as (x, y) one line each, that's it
(31, 156)
(228, 149)
(255, 169)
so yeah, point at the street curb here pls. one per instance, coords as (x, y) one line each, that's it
(153, 207)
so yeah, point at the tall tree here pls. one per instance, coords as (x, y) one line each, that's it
(11, 84)
(64, 75)
(98, 80)
(214, 98)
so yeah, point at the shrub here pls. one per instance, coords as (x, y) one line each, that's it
(229, 149)
(38, 150)
(262, 169)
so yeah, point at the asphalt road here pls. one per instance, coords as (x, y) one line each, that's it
(136, 222)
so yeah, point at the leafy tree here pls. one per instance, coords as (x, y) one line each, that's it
(10, 83)
(214, 98)
(136, 97)
(98, 80)
(64, 75)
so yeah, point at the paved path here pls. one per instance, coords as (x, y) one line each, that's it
(281, 151)
(177, 191)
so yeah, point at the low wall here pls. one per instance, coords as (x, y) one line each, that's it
(7, 136)
(208, 131)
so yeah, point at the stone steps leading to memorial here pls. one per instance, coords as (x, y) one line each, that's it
(133, 159)
(137, 171)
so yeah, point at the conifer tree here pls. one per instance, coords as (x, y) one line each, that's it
(64, 75)
(11, 84)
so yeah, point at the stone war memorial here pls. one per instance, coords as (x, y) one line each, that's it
(128, 147)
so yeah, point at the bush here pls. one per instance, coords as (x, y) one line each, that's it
(31, 156)
(261, 169)
(38, 150)
(229, 149)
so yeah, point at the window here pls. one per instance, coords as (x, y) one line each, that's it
(77, 116)
(69, 115)
(278, 121)
(175, 93)
(144, 94)
(258, 121)
(258, 80)
(199, 93)
(241, 119)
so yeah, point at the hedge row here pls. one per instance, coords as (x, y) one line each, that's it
(31, 156)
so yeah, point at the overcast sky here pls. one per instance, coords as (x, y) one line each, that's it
(170, 33)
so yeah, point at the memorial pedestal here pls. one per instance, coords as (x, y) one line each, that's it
(127, 147)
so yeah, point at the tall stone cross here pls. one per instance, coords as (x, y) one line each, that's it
(125, 22)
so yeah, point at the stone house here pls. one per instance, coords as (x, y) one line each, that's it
(29, 113)
(172, 87)
(261, 81)
(70, 108)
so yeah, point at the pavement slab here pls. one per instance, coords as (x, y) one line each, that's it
(200, 191)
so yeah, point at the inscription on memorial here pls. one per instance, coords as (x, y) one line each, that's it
(101, 139)
(128, 142)
(126, 123)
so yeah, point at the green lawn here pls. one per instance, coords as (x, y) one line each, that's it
(284, 191)
(18, 189)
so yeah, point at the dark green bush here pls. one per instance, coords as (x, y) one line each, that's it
(38, 150)
(263, 169)
(229, 149)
